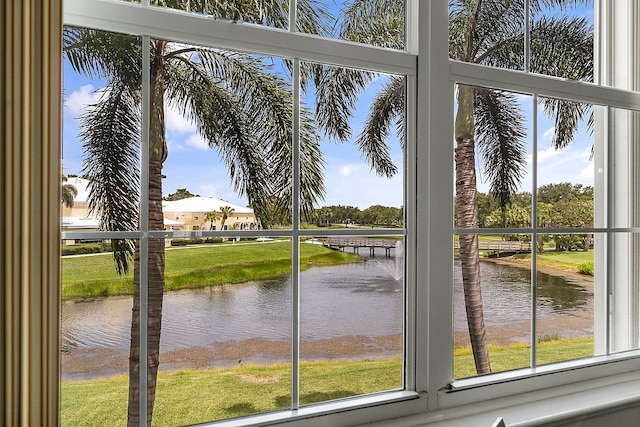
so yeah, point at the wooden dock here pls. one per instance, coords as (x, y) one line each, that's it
(498, 247)
(360, 242)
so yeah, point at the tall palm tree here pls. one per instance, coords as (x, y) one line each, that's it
(488, 32)
(239, 107)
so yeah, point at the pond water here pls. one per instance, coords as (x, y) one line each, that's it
(363, 299)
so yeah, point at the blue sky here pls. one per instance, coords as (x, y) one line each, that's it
(348, 179)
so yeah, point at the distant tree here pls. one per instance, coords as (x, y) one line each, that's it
(69, 193)
(181, 193)
(212, 217)
(225, 213)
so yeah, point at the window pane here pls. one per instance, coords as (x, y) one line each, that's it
(565, 301)
(498, 303)
(565, 169)
(101, 128)
(492, 158)
(562, 42)
(228, 124)
(376, 23)
(622, 142)
(95, 327)
(624, 302)
(362, 119)
(351, 316)
(226, 326)
(557, 42)
(272, 13)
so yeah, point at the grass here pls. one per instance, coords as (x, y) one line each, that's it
(196, 396)
(567, 260)
(190, 397)
(196, 267)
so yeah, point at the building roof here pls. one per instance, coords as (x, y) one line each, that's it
(82, 186)
(201, 204)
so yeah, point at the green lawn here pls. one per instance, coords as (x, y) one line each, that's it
(196, 267)
(195, 396)
(569, 260)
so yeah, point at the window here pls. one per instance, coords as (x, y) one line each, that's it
(281, 314)
(391, 212)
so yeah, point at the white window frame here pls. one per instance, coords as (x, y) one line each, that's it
(430, 392)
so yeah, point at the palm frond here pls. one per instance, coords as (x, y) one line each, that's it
(388, 105)
(567, 116)
(500, 130)
(562, 47)
(100, 54)
(374, 22)
(337, 90)
(111, 141)
(250, 125)
(312, 16)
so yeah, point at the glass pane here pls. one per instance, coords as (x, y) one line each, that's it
(101, 132)
(565, 168)
(496, 292)
(361, 117)
(228, 124)
(492, 159)
(351, 316)
(562, 42)
(624, 251)
(95, 327)
(623, 139)
(565, 302)
(375, 23)
(272, 13)
(560, 39)
(226, 326)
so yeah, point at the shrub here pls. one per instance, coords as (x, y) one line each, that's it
(586, 268)
(179, 242)
(82, 249)
(213, 240)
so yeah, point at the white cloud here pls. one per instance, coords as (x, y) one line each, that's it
(77, 102)
(196, 141)
(547, 136)
(176, 122)
(348, 170)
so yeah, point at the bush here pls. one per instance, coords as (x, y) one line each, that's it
(213, 240)
(82, 249)
(185, 242)
(586, 268)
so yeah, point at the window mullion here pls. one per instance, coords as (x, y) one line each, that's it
(534, 226)
(295, 240)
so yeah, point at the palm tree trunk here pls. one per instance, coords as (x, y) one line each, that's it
(467, 214)
(156, 260)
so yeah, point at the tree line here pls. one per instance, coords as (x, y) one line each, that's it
(563, 205)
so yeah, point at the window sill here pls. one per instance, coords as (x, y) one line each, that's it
(558, 404)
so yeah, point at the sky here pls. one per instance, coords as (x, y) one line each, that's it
(193, 165)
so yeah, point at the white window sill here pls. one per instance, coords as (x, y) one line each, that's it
(562, 403)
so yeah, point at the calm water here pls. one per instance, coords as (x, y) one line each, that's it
(356, 299)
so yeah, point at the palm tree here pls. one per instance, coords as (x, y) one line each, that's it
(69, 193)
(240, 108)
(489, 32)
(225, 212)
(212, 217)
